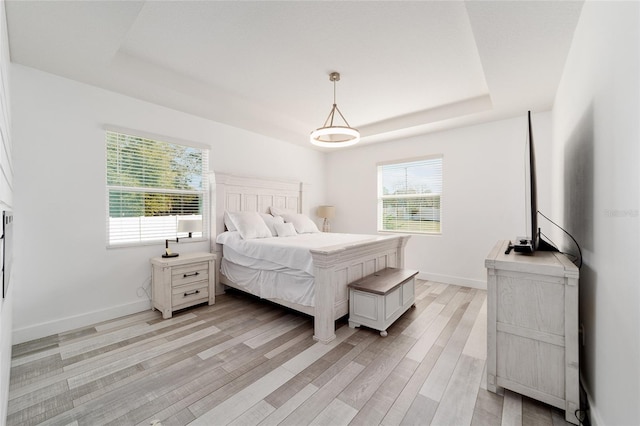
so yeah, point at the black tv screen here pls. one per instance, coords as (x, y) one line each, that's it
(530, 242)
(533, 189)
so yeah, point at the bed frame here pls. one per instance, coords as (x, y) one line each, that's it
(333, 267)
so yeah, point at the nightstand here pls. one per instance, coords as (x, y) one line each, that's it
(183, 281)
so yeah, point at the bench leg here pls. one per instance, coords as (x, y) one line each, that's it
(383, 333)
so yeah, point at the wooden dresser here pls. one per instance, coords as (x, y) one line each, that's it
(532, 327)
(181, 282)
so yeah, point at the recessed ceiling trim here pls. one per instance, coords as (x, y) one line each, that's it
(427, 116)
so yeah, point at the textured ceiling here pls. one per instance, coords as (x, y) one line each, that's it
(407, 67)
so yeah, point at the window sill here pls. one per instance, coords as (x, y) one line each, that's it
(388, 231)
(183, 240)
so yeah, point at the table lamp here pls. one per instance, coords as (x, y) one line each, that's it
(326, 212)
(184, 225)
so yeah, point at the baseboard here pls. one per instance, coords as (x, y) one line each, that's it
(447, 279)
(37, 331)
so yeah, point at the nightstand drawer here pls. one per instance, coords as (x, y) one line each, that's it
(189, 273)
(189, 294)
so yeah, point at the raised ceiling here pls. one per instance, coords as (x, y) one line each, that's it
(407, 68)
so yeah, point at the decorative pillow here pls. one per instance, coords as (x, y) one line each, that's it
(279, 211)
(301, 222)
(228, 222)
(250, 225)
(271, 221)
(285, 229)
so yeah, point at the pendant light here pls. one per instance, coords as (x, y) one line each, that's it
(331, 135)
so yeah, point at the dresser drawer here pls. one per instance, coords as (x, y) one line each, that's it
(189, 294)
(189, 274)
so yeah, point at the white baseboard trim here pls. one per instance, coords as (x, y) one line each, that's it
(447, 279)
(37, 331)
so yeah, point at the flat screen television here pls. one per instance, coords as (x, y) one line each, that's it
(530, 243)
(533, 240)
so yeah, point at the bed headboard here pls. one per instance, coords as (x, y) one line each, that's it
(242, 193)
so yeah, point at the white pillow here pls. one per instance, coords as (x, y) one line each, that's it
(250, 225)
(228, 222)
(271, 221)
(285, 229)
(301, 222)
(279, 211)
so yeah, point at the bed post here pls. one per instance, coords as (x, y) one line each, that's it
(400, 253)
(213, 203)
(304, 202)
(324, 318)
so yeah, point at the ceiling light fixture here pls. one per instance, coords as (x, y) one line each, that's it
(334, 136)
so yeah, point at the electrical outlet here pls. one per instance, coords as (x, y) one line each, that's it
(581, 333)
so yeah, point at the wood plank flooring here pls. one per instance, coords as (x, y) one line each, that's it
(247, 362)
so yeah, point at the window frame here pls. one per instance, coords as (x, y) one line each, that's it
(204, 191)
(381, 196)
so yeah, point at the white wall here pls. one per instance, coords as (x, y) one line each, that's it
(67, 276)
(6, 202)
(596, 119)
(483, 194)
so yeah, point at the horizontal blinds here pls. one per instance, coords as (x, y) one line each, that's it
(137, 162)
(133, 230)
(415, 177)
(410, 196)
(151, 185)
(133, 203)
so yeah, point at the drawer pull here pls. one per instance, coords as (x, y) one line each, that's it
(191, 275)
(187, 293)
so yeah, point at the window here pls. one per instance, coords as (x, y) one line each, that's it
(410, 196)
(150, 185)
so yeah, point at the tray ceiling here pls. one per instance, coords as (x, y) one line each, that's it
(407, 67)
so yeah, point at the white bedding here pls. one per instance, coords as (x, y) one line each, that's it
(278, 267)
(283, 284)
(291, 252)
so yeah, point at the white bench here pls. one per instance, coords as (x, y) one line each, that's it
(379, 299)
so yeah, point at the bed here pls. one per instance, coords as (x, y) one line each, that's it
(332, 267)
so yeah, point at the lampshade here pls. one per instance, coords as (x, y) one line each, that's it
(331, 135)
(189, 225)
(326, 212)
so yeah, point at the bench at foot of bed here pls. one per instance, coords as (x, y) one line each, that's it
(379, 299)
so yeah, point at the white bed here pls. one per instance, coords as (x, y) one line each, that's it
(331, 262)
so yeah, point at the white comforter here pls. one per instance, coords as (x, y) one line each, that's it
(276, 252)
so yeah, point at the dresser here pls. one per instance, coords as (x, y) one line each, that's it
(532, 327)
(181, 282)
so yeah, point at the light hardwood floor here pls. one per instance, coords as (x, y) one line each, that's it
(248, 362)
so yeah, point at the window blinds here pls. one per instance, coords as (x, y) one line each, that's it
(150, 185)
(410, 196)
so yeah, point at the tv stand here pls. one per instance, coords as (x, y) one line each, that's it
(525, 245)
(532, 327)
(545, 246)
